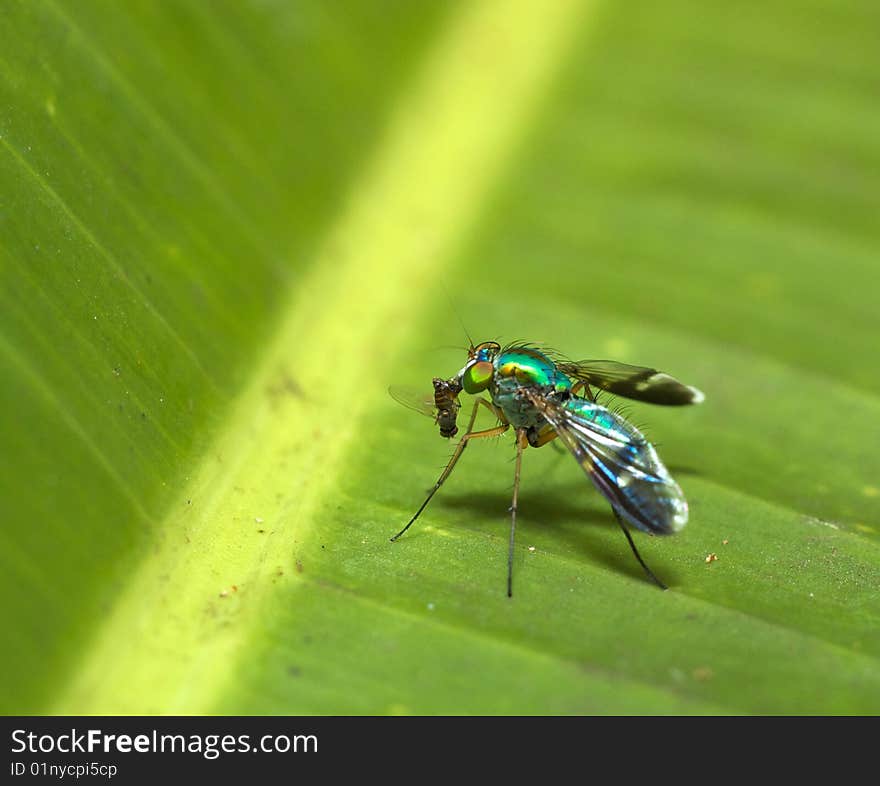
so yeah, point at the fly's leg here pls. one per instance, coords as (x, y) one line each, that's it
(459, 449)
(586, 388)
(635, 551)
(521, 442)
(493, 409)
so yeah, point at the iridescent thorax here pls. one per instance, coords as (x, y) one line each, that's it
(529, 368)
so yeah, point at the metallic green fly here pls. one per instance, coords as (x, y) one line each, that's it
(543, 398)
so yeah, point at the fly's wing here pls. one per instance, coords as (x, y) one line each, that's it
(411, 399)
(622, 464)
(636, 382)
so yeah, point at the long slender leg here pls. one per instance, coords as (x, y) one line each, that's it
(521, 442)
(635, 551)
(477, 404)
(459, 449)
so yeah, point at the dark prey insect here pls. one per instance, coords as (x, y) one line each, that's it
(544, 398)
(443, 407)
(446, 401)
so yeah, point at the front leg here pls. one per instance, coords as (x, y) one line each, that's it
(459, 449)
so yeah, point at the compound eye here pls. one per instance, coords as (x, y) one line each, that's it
(477, 376)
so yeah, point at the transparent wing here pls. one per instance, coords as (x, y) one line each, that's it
(414, 400)
(622, 464)
(636, 382)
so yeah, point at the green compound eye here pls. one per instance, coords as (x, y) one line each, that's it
(477, 376)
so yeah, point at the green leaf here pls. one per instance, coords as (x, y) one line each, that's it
(225, 231)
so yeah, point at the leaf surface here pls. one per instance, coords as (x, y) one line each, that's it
(225, 234)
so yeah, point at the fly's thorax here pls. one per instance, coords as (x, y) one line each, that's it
(529, 367)
(520, 369)
(508, 395)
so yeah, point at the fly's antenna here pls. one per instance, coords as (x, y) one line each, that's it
(471, 345)
(457, 314)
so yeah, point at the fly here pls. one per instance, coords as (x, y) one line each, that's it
(446, 401)
(544, 398)
(443, 406)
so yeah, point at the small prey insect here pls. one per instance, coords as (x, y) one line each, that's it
(443, 407)
(545, 398)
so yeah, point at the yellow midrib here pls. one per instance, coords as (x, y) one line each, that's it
(174, 636)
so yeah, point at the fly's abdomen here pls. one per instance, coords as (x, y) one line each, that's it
(624, 466)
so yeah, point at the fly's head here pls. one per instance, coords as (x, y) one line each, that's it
(477, 372)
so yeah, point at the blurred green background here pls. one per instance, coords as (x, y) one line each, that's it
(226, 228)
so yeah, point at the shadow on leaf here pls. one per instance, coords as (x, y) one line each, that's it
(574, 525)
